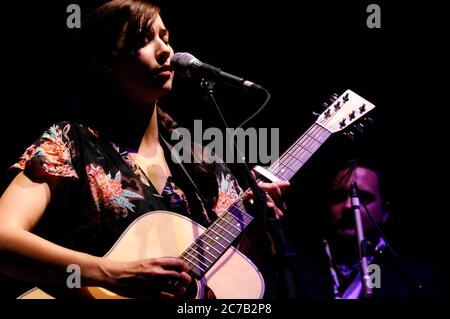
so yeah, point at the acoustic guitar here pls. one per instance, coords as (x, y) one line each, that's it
(218, 269)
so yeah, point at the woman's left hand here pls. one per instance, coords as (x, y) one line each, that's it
(275, 194)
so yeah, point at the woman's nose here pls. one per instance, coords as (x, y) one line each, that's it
(163, 52)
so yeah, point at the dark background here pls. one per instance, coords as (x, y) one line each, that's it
(301, 52)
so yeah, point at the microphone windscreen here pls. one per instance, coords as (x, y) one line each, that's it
(180, 63)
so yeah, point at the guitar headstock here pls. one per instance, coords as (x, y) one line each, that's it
(344, 111)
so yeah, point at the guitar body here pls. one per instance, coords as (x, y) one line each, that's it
(166, 234)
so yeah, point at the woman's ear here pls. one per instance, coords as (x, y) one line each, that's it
(386, 211)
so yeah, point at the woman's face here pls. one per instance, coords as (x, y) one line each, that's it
(147, 76)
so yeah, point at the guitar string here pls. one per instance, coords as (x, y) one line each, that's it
(212, 243)
(301, 148)
(293, 149)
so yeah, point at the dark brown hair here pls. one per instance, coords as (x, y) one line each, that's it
(116, 29)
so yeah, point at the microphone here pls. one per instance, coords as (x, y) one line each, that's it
(361, 241)
(186, 65)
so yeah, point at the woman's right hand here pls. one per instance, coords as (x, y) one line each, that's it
(148, 278)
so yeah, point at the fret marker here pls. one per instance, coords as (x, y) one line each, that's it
(207, 247)
(238, 225)
(217, 237)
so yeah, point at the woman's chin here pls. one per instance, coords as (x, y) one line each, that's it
(157, 93)
(163, 89)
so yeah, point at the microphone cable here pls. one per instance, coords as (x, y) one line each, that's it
(268, 97)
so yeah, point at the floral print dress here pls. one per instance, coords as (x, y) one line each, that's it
(97, 189)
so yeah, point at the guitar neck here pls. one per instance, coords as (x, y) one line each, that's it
(208, 247)
(212, 244)
(299, 153)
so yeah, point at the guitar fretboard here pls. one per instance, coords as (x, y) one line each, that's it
(212, 244)
(209, 246)
(299, 153)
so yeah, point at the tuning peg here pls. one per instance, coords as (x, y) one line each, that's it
(334, 97)
(345, 98)
(351, 116)
(362, 108)
(342, 123)
(325, 105)
(350, 134)
(337, 106)
(316, 114)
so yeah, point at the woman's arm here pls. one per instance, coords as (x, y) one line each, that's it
(28, 257)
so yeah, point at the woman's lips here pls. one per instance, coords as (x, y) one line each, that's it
(165, 73)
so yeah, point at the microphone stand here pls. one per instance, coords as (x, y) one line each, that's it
(361, 242)
(270, 226)
(260, 198)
